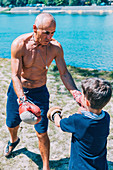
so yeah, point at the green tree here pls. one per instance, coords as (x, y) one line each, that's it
(98, 2)
(32, 1)
(1, 2)
(5, 3)
(74, 2)
(21, 2)
(51, 2)
(93, 1)
(61, 2)
(8, 2)
(45, 2)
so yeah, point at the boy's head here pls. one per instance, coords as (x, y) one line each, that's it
(97, 91)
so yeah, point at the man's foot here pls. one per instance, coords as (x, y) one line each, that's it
(10, 147)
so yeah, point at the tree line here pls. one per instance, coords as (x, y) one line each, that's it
(50, 2)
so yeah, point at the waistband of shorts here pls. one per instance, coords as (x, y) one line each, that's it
(35, 89)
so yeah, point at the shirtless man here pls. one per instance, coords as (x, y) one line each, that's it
(31, 55)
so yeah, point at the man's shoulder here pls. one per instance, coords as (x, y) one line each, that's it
(20, 40)
(55, 42)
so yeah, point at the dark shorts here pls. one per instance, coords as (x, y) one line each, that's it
(39, 96)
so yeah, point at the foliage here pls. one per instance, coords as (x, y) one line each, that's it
(93, 1)
(51, 2)
(61, 2)
(98, 2)
(32, 1)
(74, 2)
(21, 2)
(4, 3)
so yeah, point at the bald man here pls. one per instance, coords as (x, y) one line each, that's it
(31, 56)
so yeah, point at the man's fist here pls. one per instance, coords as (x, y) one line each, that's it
(53, 111)
(29, 112)
(77, 95)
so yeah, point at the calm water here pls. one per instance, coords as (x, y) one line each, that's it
(87, 40)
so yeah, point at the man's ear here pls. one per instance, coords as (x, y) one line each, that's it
(34, 28)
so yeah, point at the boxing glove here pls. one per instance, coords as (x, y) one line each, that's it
(28, 111)
(53, 111)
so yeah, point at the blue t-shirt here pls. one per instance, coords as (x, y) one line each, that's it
(89, 139)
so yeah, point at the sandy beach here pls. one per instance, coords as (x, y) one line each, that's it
(26, 155)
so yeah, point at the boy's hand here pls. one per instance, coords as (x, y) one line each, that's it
(55, 110)
(57, 119)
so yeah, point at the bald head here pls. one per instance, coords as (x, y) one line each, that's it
(45, 20)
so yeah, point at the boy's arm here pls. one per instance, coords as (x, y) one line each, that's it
(54, 115)
(57, 120)
(75, 123)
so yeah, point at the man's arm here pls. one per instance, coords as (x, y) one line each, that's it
(66, 77)
(64, 73)
(16, 66)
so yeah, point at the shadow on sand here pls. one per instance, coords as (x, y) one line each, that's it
(36, 158)
(54, 164)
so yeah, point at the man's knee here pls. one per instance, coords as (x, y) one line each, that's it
(12, 123)
(13, 129)
(42, 136)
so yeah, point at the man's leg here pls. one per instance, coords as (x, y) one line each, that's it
(13, 137)
(13, 133)
(44, 146)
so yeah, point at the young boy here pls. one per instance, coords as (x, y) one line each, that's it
(89, 129)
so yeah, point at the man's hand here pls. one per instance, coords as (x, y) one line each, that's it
(55, 110)
(29, 112)
(77, 95)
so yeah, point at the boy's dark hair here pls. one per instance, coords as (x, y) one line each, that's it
(97, 91)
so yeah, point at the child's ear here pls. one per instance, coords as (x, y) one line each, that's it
(87, 103)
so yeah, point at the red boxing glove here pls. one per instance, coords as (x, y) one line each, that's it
(78, 97)
(28, 111)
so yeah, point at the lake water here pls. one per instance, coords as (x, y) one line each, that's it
(87, 40)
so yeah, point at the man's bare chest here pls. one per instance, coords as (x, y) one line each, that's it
(38, 58)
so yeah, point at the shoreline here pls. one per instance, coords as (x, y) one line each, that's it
(99, 10)
(75, 67)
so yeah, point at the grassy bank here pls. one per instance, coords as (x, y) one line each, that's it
(27, 155)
